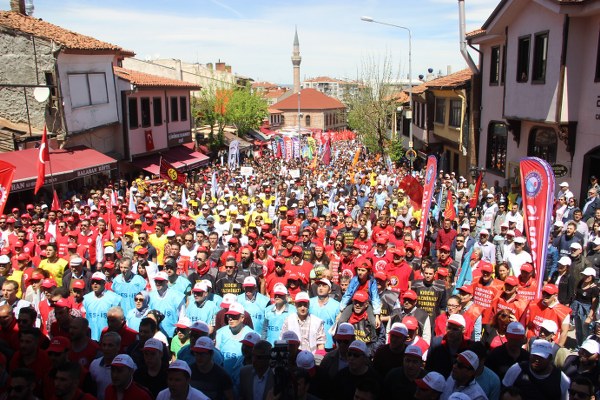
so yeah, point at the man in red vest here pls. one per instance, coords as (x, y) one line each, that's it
(548, 307)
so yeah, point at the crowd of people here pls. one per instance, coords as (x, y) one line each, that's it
(297, 281)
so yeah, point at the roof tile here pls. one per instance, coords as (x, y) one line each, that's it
(310, 99)
(453, 80)
(141, 79)
(69, 39)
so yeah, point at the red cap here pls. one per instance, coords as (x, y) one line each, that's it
(72, 246)
(361, 296)
(466, 289)
(142, 250)
(36, 276)
(109, 265)
(18, 243)
(445, 248)
(527, 267)
(363, 262)
(233, 240)
(78, 284)
(398, 251)
(48, 283)
(441, 271)
(59, 344)
(550, 288)
(23, 257)
(486, 267)
(296, 249)
(511, 280)
(410, 322)
(410, 294)
(280, 260)
(381, 240)
(63, 303)
(290, 213)
(381, 276)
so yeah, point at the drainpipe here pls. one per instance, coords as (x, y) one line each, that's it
(462, 37)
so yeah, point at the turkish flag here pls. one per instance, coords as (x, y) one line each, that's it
(149, 140)
(43, 158)
(474, 200)
(7, 172)
(450, 211)
(55, 202)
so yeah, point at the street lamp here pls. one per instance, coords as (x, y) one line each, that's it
(409, 114)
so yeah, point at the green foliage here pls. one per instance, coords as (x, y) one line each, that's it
(245, 110)
(396, 150)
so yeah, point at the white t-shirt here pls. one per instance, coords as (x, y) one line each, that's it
(193, 394)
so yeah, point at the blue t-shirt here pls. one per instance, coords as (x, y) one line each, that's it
(128, 290)
(230, 345)
(168, 305)
(255, 308)
(96, 309)
(185, 354)
(274, 321)
(182, 285)
(133, 319)
(327, 313)
(206, 313)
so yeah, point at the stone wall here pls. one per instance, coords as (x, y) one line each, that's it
(18, 66)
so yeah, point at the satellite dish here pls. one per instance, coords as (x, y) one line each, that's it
(41, 94)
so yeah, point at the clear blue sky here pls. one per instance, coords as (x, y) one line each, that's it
(255, 37)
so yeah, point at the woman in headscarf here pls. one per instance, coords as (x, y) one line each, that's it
(135, 315)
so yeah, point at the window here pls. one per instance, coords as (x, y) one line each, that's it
(540, 56)
(597, 79)
(523, 59)
(145, 105)
(495, 66)
(496, 146)
(174, 109)
(157, 111)
(132, 107)
(440, 110)
(307, 120)
(455, 113)
(542, 144)
(183, 108)
(88, 89)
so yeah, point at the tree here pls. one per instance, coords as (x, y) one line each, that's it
(371, 109)
(245, 110)
(209, 109)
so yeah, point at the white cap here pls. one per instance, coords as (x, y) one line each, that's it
(465, 226)
(520, 239)
(4, 259)
(171, 233)
(510, 218)
(161, 276)
(559, 224)
(200, 326)
(541, 348)
(290, 337)
(564, 260)
(398, 328)
(200, 287)
(280, 288)
(301, 297)
(237, 227)
(181, 366)
(433, 380)
(549, 325)
(249, 281)
(223, 214)
(589, 271)
(470, 358)
(564, 184)
(515, 329)
(95, 276)
(153, 344)
(235, 309)
(344, 329)
(251, 339)
(575, 245)
(458, 396)
(76, 261)
(203, 344)
(305, 360)
(359, 345)
(510, 232)
(184, 322)
(109, 250)
(591, 346)
(325, 281)
(457, 319)
(490, 196)
(123, 360)
(504, 224)
(484, 232)
(413, 350)
(228, 300)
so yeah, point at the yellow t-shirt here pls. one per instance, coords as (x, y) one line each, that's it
(159, 244)
(56, 269)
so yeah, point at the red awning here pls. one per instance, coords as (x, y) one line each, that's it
(182, 157)
(65, 165)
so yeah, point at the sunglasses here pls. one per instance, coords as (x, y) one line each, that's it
(139, 299)
(97, 282)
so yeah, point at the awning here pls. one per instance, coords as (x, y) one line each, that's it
(259, 136)
(230, 137)
(65, 165)
(181, 157)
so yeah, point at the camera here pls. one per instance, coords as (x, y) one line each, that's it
(281, 376)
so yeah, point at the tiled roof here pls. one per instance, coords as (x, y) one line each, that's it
(274, 111)
(310, 99)
(69, 39)
(141, 79)
(323, 79)
(274, 93)
(266, 85)
(453, 80)
(475, 33)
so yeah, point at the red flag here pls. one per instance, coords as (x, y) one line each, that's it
(475, 196)
(149, 140)
(327, 152)
(170, 173)
(55, 202)
(7, 172)
(450, 211)
(413, 189)
(43, 157)
(537, 186)
(430, 174)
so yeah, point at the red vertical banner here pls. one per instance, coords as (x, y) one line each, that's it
(450, 211)
(7, 171)
(413, 189)
(537, 186)
(327, 153)
(430, 175)
(475, 196)
(43, 158)
(289, 148)
(55, 201)
(149, 140)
